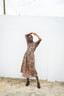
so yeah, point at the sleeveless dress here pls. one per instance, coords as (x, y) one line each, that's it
(28, 63)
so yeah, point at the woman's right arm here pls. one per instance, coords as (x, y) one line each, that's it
(28, 34)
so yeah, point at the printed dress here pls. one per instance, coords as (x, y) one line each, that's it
(28, 63)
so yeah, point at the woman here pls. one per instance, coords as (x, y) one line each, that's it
(28, 64)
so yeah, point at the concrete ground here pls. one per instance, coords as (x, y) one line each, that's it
(16, 87)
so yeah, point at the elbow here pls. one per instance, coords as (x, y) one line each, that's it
(40, 39)
(25, 36)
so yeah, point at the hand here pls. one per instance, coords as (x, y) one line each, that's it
(31, 32)
(28, 33)
(37, 36)
(34, 34)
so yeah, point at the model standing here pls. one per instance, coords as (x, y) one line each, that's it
(28, 64)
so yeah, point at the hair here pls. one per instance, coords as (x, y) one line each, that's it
(30, 35)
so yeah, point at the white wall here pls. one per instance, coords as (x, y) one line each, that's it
(49, 55)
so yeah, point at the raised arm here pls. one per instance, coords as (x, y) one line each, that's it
(28, 34)
(37, 36)
(38, 41)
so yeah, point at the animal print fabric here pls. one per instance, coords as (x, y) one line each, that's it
(28, 63)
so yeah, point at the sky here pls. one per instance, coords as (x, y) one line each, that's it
(33, 7)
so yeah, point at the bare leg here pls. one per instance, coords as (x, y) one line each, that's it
(27, 79)
(38, 84)
(37, 79)
(27, 83)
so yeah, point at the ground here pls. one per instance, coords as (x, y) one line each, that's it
(16, 87)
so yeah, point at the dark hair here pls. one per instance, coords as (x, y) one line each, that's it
(30, 35)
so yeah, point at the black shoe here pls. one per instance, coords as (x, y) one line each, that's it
(38, 85)
(27, 83)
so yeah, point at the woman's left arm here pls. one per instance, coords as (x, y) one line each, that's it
(37, 36)
(37, 42)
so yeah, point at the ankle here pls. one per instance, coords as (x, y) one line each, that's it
(28, 81)
(38, 82)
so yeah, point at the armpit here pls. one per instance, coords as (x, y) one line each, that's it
(37, 43)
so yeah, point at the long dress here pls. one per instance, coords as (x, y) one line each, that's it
(28, 63)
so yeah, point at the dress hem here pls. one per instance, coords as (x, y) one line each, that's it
(29, 76)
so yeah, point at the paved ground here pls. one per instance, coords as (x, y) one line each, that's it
(16, 87)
